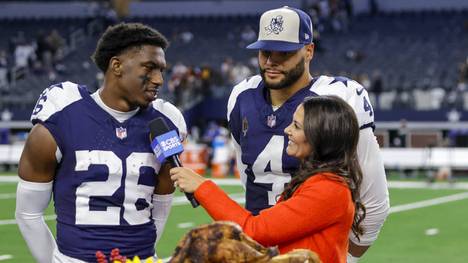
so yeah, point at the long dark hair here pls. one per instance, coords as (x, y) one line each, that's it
(332, 130)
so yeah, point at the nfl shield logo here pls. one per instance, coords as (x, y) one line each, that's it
(271, 121)
(121, 133)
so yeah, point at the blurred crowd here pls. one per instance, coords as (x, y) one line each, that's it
(42, 56)
(46, 55)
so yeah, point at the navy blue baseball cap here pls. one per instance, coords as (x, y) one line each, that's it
(283, 29)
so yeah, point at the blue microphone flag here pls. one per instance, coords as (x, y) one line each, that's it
(166, 145)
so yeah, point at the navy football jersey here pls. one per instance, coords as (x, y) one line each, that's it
(106, 172)
(258, 132)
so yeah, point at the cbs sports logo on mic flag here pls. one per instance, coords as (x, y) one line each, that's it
(166, 145)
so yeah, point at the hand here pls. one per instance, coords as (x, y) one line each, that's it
(186, 179)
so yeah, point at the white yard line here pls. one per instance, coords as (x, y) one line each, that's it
(5, 257)
(9, 179)
(425, 185)
(13, 221)
(8, 196)
(186, 225)
(230, 181)
(429, 202)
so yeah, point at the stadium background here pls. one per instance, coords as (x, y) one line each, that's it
(412, 56)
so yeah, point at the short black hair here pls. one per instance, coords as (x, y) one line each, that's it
(118, 38)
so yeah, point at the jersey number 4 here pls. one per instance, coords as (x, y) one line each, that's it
(271, 156)
(133, 190)
(367, 107)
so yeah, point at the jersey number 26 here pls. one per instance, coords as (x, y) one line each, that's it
(133, 190)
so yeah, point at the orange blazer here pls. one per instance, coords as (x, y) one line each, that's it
(318, 217)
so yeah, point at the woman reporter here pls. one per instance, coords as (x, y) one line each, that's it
(321, 203)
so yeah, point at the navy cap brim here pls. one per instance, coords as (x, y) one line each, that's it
(273, 45)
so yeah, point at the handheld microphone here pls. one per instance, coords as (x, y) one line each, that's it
(166, 146)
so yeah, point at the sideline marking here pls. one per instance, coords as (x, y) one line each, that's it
(8, 196)
(9, 179)
(13, 221)
(429, 202)
(186, 225)
(5, 257)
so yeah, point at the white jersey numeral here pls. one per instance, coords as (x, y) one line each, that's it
(133, 191)
(271, 154)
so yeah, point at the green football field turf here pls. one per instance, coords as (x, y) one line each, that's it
(403, 238)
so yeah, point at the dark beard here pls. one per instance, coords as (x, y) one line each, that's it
(290, 77)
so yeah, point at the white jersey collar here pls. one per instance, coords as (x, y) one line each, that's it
(120, 116)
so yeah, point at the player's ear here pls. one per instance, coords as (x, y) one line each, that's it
(309, 51)
(115, 65)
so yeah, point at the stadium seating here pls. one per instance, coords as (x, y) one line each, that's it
(414, 51)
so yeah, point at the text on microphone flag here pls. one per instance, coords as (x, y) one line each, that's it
(166, 145)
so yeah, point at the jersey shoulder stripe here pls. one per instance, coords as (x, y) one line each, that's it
(54, 99)
(173, 114)
(339, 86)
(249, 83)
(350, 91)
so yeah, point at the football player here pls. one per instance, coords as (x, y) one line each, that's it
(92, 151)
(260, 108)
